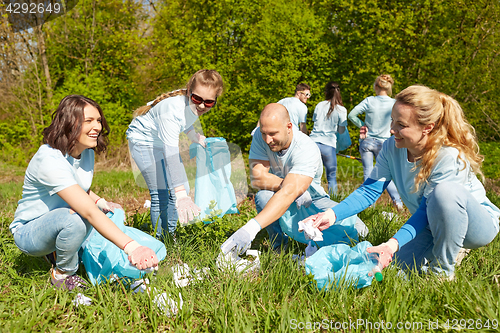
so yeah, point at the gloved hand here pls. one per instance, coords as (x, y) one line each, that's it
(362, 132)
(385, 250)
(197, 138)
(141, 257)
(323, 220)
(186, 208)
(304, 200)
(103, 206)
(242, 238)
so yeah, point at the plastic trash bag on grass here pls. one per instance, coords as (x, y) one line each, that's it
(103, 259)
(336, 265)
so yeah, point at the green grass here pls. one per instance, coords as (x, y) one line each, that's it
(279, 298)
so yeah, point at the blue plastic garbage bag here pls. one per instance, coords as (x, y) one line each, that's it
(340, 264)
(343, 140)
(102, 259)
(341, 232)
(213, 173)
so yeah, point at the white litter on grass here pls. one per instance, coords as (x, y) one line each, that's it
(147, 204)
(167, 304)
(183, 276)
(310, 232)
(388, 215)
(162, 300)
(81, 299)
(231, 261)
(309, 251)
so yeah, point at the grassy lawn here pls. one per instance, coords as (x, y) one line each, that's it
(279, 298)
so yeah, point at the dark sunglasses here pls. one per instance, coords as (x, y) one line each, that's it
(198, 100)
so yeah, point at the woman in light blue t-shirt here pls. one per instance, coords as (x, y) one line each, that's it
(433, 158)
(376, 127)
(330, 117)
(153, 138)
(58, 209)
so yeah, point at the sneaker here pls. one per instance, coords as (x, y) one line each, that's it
(51, 258)
(69, 283)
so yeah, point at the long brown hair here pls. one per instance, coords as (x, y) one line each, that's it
(332, 94)
(205, 77)
(66, 125)
(450, 129)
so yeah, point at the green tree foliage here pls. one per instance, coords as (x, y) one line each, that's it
(125, 53)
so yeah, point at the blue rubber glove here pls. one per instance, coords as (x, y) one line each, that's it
(304, 200)
(241, 240)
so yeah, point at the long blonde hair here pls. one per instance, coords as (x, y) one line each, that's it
(384, 82)
(450, 129)
(205, 77)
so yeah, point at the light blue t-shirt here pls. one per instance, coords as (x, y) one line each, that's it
(296, 109)
(325, 129)
(377, 111)
(163, 123)
(49, 172)
(392, 163)
(302, 157)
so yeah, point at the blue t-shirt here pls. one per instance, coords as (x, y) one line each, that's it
(302, 157)
(325, 129)
(163, 123)
(49, 172)
(296, 109)
(377, 111)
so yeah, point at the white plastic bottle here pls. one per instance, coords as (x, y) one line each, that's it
(376, 270)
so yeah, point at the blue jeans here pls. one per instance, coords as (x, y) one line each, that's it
(58, 230)
(329, 158)
(456, 220)
(369, 149)
(276, 235)
(151, 162)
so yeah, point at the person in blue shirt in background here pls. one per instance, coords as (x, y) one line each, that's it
(433, 158)
(58, 210)
(153, 138)
(376, 128)
(330, 117)
(296, 106)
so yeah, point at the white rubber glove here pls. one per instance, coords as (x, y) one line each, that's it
(141, 257)
(197, 138)
(304, 200)
(242, 238)
(103, 206)
(186, 208)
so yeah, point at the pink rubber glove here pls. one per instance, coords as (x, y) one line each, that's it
(385, 250)
(141, 257)
(362, 132)
(186, 208)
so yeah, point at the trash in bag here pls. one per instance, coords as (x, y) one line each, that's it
(342, 232)
(103, 259)
(340, 264)
(213, 178)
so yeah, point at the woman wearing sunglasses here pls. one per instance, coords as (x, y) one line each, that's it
(153, 139)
